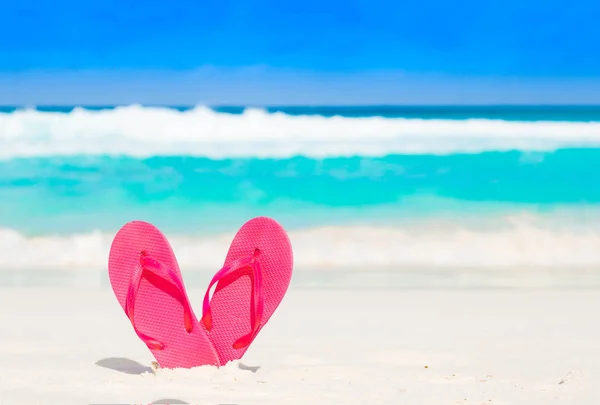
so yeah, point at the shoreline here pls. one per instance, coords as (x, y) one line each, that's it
(422, 278)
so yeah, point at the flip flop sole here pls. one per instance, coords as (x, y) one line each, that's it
(159, 312)
(231, 302)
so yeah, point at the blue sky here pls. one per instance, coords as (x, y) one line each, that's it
(277, 52)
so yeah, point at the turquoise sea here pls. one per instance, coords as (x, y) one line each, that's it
(445, 190)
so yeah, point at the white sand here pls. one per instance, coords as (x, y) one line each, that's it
(321, 347)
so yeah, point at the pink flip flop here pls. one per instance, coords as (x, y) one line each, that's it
(147, 282)
(250, 286)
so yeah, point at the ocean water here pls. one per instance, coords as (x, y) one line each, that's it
(373, 196)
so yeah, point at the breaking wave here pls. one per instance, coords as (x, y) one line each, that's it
(140, 131)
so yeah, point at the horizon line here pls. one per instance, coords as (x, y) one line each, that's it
(296, 106)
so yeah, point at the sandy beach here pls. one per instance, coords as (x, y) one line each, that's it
(327, 346)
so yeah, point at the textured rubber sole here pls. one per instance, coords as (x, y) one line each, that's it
(231, 302)
(158, 311)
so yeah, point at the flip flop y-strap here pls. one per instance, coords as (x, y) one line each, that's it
(256, 312)
(147, 266)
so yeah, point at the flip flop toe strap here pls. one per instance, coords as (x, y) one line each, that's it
(257, 300)
(145, 267)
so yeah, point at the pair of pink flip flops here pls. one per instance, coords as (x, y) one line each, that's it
(148, 284)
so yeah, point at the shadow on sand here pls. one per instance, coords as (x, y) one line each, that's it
(124, 365)
(244, 367)
(129, 366)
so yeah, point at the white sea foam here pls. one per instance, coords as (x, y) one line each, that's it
(521, 243)
(145, 131)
